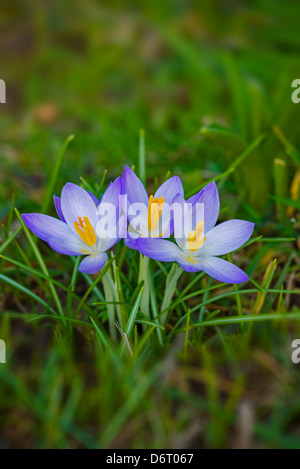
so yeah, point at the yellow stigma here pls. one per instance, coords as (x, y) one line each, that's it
(85, 231)
(191, 260)
(194, 238)
(155, 207)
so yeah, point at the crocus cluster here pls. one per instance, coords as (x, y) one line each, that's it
(163, 226)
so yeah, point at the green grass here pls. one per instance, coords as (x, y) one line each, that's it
(111, 360)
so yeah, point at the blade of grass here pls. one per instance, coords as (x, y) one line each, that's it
(110, 306)
(28, 292)
(244, 319)
(54, 175)
(42, 264)
(132, 317)
(188, 316)
(99, 188)
(7, 242)
(101, 335)
(142, 156)
(153, 300)
(269, 274)
(281, 187)
(94, 283)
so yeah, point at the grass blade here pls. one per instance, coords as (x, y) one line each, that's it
(54, 175)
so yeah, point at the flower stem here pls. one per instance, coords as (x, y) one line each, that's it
(143, 275)
(171, 284)
(109, 298)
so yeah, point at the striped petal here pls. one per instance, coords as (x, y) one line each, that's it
(130, 243)
(210, 198)
(57, 204)
(133, 187)
(227, 237)
(93, 264)
(169, 189)
(112, 193)
(108, 212)
(75, 203)
(69, 245)
(223, 271)
(45, 227)
(159, 249)
(94, 198)
(189, 266)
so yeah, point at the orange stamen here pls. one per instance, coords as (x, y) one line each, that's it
(85, 231)
(194, 238)
(155, 207)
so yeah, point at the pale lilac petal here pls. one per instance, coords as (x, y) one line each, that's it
(186, 217)
(122, 226)
(109, 213)
(131, 237)
(93, 264)
(223, 271)
(170, 210)
(94, 198)
(107, 243)
(192, 200)
(57, 204)
(159, 249)
(169, 189)
(69, 245)
(112, 193)
(189, 266)
(45, 227)
(178, 211)
(75, 203)
(227, 237)
(130, 243)
(133, 187)
(210, 198)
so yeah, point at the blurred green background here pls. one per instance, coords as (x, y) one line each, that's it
(104, 71)
(204, 79)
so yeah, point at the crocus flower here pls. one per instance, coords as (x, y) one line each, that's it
(198, 250)
(154, 219)
(80, 230)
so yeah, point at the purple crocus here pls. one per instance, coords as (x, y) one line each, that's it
(80, 230)
(154, 219)
(198, 249)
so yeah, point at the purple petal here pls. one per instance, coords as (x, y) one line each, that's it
(178, 219)
(94, 198)
(189, 266)
(159, 249)
(45, 227)
(192, 200)
(227, 237)
(107, 243)
(169, 189)
(93, 264)
(223, 271)
(186, 217)
(75, 203)
(210, 198)
(112, 193)
(69, 245)
(57, 204)
(130, 243)
(133, 187)
(110, 224)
